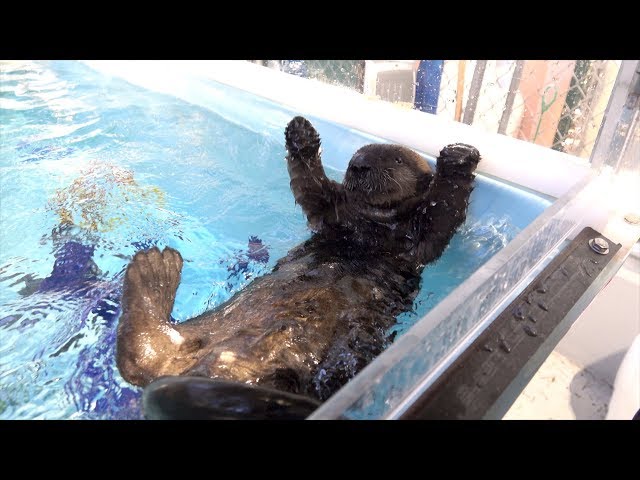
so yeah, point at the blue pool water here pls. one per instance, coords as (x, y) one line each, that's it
(129, 168)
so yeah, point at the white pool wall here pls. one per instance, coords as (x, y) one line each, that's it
(532, 166)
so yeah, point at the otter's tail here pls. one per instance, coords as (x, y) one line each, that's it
(201, 398)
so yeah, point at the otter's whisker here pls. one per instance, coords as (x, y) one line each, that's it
(389, 177)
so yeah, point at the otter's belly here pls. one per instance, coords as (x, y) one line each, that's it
(281, 329)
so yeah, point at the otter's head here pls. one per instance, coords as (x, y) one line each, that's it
(387, 174)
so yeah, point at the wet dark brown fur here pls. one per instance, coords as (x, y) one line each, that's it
(324, 311)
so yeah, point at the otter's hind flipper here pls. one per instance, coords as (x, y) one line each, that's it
(148, 346)
(201, 398)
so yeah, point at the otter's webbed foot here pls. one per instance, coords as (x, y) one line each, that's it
(444, 208)
(201, 398)
(148, 346)
(314, 192)
(151, 282)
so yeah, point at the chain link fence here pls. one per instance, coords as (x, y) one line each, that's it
(559, 104)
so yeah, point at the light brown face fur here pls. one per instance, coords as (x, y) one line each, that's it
(387, 174)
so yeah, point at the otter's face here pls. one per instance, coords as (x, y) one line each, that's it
(387, 174)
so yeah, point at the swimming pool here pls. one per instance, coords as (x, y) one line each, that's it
(131, 168)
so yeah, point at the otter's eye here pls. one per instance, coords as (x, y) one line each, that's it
(398, 160)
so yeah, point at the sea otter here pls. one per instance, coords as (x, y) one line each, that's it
(292, 337)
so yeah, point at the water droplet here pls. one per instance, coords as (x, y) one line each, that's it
(530, 331)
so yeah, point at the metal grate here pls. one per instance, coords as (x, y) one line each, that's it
(559, 104)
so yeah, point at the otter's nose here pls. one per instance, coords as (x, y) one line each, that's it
(359, 160)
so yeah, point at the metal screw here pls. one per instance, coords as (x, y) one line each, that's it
(599, 245)
(632, 218)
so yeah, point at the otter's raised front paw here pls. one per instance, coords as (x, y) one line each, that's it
(301, 138)
(458, 158)
(152, 277)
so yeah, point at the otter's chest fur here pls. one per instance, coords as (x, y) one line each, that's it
(311, 324)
